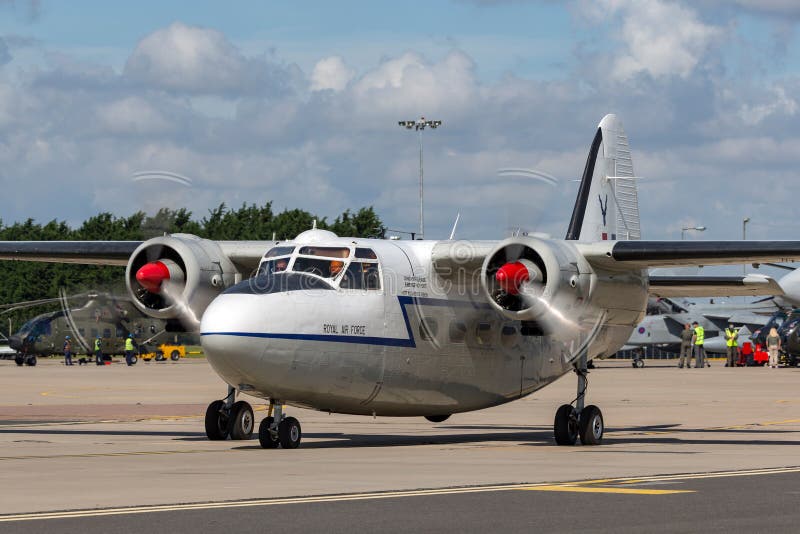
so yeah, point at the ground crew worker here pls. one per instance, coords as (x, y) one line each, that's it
(686, 346)
(98, 352)
(698, 339)
(67, 351)
(773, 347)
(129, 350)
(732, 341)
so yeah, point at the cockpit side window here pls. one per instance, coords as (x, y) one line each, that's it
(276, 265)
(361, 275)
(366, 254)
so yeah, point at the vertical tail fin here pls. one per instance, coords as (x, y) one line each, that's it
(607, 207)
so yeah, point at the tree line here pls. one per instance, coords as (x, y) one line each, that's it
(23, 281)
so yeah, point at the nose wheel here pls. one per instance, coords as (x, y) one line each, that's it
(573, 422)
(277, 429)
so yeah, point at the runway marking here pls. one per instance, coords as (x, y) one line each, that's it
(112, 454)
(602, 489)
(578, 486)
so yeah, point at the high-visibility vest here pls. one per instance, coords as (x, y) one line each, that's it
(96, 344)
(128, 344)
(732, 337)
(700, 334)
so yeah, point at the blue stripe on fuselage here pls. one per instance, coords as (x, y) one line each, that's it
(363, 340)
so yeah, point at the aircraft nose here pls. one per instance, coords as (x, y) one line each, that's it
(226, 336)
(15, 342)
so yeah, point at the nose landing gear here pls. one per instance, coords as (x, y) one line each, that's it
(573, 422)
(278, 429)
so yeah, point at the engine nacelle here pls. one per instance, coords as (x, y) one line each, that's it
(537, 281)
(177, 276)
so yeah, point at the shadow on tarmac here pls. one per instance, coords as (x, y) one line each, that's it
(524, 435)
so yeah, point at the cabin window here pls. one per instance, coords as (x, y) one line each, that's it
(509, 333)
(328, 252)
(458, 331)
(279, 251)
(428, 328)
(366, 254)
(94, 332)
(106, 333)
(81, 332)
(483, 333)
(361, 276)
(120, 332)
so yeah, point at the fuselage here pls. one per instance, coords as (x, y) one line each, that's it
(383, 335)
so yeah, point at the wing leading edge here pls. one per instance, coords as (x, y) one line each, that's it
(80, 252)
(713, 286)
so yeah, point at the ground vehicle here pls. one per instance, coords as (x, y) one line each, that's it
(164, 351)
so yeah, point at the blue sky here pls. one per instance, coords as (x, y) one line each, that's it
(298, 102)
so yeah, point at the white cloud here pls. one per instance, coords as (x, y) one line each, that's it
(198, 60)
(331, 73)
(779, 103)
(659, 37)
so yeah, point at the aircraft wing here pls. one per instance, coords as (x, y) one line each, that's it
(649, 254)
(711, 286)
(82, 252)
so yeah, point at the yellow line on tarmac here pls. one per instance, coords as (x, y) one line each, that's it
(603, 489)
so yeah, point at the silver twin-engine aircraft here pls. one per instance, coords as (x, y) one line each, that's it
(418, 328)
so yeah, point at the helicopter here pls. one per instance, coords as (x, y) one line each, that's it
(102, 315)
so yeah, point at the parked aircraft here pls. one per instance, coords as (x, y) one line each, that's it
(664, 330)
(418, 328)
(99, 315)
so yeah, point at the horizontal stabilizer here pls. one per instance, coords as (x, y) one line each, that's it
(713, 286)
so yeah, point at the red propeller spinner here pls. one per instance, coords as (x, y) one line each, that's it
(511, 276)
(152, 275)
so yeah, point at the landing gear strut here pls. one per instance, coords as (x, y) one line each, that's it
(226, 418)
(277, 429)
(573, 422)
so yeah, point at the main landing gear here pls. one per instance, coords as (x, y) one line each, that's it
(226, 418)
(579, 421)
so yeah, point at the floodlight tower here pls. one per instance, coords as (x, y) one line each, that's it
(420, 125)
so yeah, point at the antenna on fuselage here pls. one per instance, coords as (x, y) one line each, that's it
(455, 225)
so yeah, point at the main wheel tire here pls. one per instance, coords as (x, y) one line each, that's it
(265, 437)
(565, 426)
(175, 356)
(19, 359)
(591, 425)
(31, 361)
(638, 363)
(160, 357)
(289, 433)
(241, 421)
(216, 421)
(437, 418)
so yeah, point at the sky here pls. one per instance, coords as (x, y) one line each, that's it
(120, 107)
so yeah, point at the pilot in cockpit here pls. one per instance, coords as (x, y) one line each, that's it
(335, 268)
(280, 265)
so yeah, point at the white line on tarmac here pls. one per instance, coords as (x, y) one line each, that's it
(382, 495)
